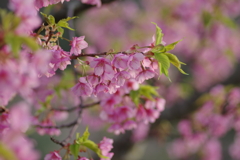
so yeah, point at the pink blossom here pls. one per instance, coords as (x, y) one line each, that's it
(146, 62)
(134, 61)
(101, 66)
(120, 61)
(41, 3)
(25, 9)
(40, 61)
(184, 127)
(106, 145)
(100, 88)
(121, 77)
(145, 75)
(78, 44)
(116, 129)
(234, 149)
(93, 2)
(60, 115)
(109, 102)
(140, 132)
(131, 84)
(4, 123)
(19, 117)
(129, 125)
(82, 88)
(93, 80)
(49, 131)
(160, 104)
(112, 87)
(152, 115)
(141, 113)
(234, 96)
(212, 150)
(53, 156)
(60, 59)
(124, 112)
(8, 81)
(19, 145)
(82, 158)
(219, 125)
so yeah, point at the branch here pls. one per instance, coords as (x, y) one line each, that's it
(88, 55)
(57, 142)
(75, 127)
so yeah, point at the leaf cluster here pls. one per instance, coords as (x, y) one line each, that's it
(82, 143)
(63, 23)
(162, 55)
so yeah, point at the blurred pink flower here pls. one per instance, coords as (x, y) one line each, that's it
(53, 156)
(77, 44)
(82, 88)
(134, 61)
(93, 2)
(106, 145)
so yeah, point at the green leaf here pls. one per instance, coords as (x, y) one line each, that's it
(67, 80)
(45, 17)
(6, 153)
(207, 18)
(14, 42)
(9, 21)
(74, 148)
(159, 35)
(61, 30)
(164, 63)
(86, 134)
(30, 42)
(158, 48)
(94, 147)
(175, 61)
(69, 18)
(51, 19)
(135, 95)
(148, 91)
(225, 20)
(64, 23)
(172, 45)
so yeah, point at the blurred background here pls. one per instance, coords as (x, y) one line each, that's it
(201, 119)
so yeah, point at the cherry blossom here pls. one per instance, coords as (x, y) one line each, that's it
(106, 145)
(82, 88)
(53, 156)
(77, 44)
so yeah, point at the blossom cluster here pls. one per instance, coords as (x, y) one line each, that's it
(110, 75)
(212, 121)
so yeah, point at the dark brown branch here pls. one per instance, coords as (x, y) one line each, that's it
(88, 55)
(75, 127)
(57, 142)
(73, 130)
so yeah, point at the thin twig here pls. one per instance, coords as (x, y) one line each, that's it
(88, 55)
(75, 127)
(57, 142)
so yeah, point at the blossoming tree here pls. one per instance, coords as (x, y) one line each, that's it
(42, 83)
